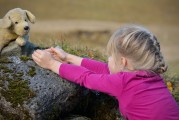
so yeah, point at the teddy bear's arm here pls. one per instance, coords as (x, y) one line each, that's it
(21, 40)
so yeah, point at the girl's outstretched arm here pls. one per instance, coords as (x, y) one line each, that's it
(60, 55)
(111, 84)
(93, 65)
(73, 59)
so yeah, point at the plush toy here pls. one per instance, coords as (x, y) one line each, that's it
(15, 26)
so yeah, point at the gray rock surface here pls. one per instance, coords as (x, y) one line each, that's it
(11, 49)
(52, 97)
(28, 91)
(16, 50)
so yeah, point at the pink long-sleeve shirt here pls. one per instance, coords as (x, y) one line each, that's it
(141, 95)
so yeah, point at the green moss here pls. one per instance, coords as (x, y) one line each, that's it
(1, 83)
(25, 58)
(5, 69)
(31, 71)
(19, 74)
(18, 90)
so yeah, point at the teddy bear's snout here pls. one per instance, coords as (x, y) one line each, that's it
(26, 28)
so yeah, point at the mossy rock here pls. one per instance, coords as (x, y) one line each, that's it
(28, 91)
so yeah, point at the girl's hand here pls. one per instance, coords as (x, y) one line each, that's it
(43, 59)
(58, 54)
(64, 57)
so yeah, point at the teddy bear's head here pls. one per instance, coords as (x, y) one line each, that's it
(17, 20)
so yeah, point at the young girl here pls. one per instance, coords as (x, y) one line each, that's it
(132, 74)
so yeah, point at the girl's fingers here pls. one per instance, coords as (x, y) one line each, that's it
(60, 52)
(37, 61)
(36, 54)
(42, 58)
(57, 51)
(39, 51)
(49, 50)
(35, 58)
(53, 49)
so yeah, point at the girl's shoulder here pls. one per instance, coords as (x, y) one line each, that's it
(139, 77)
(140, 74)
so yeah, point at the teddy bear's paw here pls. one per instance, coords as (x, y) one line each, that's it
(20, 41)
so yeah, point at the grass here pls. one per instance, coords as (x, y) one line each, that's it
(135, 11)
(172, 82)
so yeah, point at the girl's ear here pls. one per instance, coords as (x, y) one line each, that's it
(30, 16)
(5, 22)
(124, 61)
(126, 64)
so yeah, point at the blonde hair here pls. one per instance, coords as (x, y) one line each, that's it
(140, 46)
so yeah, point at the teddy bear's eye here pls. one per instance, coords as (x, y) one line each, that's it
(16, 22)
(26, 20)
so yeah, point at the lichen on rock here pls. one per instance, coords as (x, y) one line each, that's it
(25, 58)
(31, 92)
(31, 71)
(14, 89)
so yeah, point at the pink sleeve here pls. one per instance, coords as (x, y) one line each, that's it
(110, 84)
(95, 66)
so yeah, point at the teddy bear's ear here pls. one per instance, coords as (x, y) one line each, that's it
(5, 22)
(30, 16)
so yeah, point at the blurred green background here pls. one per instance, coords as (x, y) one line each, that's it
(90, 23)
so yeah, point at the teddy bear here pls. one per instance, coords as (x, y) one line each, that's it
(15, 26)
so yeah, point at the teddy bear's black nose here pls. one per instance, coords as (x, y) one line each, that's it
(26, 27)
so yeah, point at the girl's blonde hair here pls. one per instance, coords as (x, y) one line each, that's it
(140, 47)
